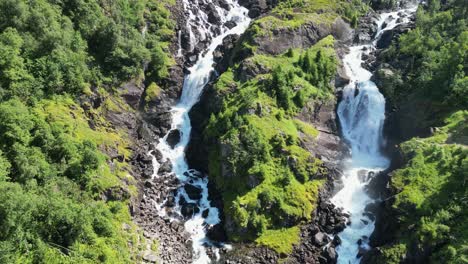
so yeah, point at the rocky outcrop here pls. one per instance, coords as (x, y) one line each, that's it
(258, 7)
(389, 35)
(223, 53)
(328, 146)
(367, 28)
(304, 36)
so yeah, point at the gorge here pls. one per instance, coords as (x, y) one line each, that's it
(233, 131)
(362, 115)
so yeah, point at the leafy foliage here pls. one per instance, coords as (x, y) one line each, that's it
(56, 47)
(431, 189)
(434, 56)
(431, 196)
(51, 177)
(61, 201)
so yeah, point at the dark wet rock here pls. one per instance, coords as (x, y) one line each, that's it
(165, 167)
(331, 255)
(173, 138)
(224, 4)
(336, 241)
(230, 24)
(216, 233)
(148, 184)
(389, 35)
(361, 252)
(189, 209)
(213, 15)
(222, 54)
(193, 192)
(258, 7)
(367, 27)
(205, 213)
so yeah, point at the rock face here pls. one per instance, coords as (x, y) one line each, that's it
(258, 7)
(303, 36)
(328, 145)
(389, 35)
(223, 52)
(367, 28)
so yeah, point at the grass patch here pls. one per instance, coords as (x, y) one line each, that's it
(281, 240)
(306, 128)
(152, 92)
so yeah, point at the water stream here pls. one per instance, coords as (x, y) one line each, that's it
(362, 115)
(194, 83)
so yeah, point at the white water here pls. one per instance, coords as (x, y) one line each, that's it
(193, 86)
(362, 117)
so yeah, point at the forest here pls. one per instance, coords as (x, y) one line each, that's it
(54, 166)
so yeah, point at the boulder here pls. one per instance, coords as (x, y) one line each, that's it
(320, 239)
(150, 257)
(330, 254)
(189, 209)
(213, 15)
(165, 167)
(193, 192)
(216, 233)
(173, 137)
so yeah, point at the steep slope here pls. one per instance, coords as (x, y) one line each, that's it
(423, 73)
(71, 80)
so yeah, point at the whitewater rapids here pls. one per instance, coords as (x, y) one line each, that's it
(362, 115)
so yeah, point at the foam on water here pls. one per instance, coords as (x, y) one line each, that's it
(193, 86)
(362, 115)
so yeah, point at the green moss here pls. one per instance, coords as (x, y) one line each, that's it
(281, 240)
(225, 81)
(152, 92)
(293, 14)
(306, 128)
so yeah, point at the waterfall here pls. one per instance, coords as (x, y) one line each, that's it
(194, 83)
(362, 115)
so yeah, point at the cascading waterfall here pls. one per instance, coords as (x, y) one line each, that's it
(362, 115)
(194, 83)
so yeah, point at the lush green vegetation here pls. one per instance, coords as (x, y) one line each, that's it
(52, 178)
(268, 179)
(431, 196)
(56, 47)
(293, 14)
(280, 240)
(434, 56)
(64, 199)
(431, 192)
